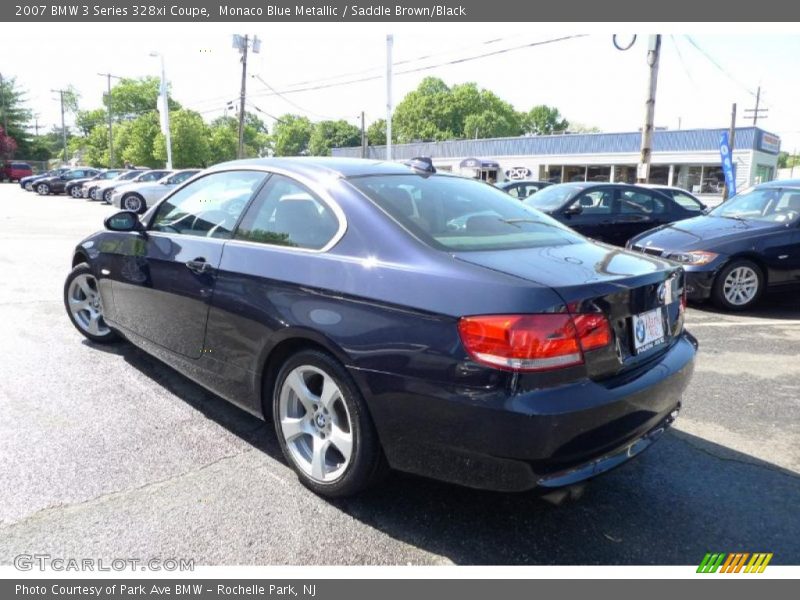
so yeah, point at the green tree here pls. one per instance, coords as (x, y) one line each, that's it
(291, 136)
(333, 134)
(223, 140)
(376, 133)
(435, 112)
(131, 98)
(544, 120)
(86, 120)
(135, 142)
(189, 137)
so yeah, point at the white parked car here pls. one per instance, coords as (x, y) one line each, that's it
(139, 196)
(104, 192)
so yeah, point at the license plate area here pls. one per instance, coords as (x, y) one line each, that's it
(647, 330)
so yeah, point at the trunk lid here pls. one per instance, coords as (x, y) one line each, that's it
(593, 277)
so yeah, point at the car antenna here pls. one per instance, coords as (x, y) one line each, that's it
(422, 165)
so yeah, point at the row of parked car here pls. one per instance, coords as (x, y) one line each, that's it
(731, 254)
(130, 189)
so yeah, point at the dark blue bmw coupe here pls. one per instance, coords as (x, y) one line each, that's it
(385, 315)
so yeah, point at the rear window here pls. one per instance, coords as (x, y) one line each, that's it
(21, 166)
(456, 213)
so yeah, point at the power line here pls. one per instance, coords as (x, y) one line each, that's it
(428, 67)
(297, 106)
(718, 66)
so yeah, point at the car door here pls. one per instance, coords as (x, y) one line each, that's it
(277, 247)
(590, 213)
(638, 210)
(162, 280)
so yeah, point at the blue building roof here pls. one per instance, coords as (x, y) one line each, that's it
(682, 140)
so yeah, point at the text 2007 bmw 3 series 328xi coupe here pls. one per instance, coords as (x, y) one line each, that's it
(384, 315)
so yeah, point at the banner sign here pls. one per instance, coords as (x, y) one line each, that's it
(726, 154)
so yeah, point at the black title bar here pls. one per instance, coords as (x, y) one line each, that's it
(398, 10)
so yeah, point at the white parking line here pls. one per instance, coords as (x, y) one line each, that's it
(784, 322)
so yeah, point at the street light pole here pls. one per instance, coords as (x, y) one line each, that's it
(63, 126)
(108, 77)
(164, 95)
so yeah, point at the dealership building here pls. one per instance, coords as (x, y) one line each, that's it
(687, 158)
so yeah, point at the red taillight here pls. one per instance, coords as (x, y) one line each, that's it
(533, 342)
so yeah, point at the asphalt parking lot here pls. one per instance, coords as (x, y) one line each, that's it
(105, 452)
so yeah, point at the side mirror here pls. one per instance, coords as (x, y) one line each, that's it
(575, 209)
(125, 220)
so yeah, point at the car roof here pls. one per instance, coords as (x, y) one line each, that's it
(780, 183)
(319, 166)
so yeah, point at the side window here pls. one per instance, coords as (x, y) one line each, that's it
(634, 202)
(286, 213)
(597, 202)
(515, 191)
(686, 201)
(209, 207)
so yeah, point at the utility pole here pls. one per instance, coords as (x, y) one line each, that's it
(36, 124)
(363, 137)
(3, 96)
(757, 112)
(731, 141)
(240, 152)
(389, 44)
(108, 77)
(63, 127)
(243, 43)
(653, 54)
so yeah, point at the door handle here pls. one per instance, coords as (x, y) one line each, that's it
(198, 265)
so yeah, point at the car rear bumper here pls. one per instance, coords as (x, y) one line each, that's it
(515, 440)
(699, 283)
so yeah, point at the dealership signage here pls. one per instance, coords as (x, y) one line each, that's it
(770, 143)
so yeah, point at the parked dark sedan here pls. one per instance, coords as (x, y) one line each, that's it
(28, 182)
(57, 183)
(74, 187)
(338, 297)
(522, 188)
(608, 212)
(736, 251)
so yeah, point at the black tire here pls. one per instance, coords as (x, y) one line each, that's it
(718, 291)
(367, 464)
(133, 202)
(108, 335)
(42, 189)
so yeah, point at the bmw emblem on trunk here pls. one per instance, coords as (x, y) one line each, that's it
(640, 331)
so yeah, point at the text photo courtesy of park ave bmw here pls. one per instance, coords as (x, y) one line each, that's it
(296, 287)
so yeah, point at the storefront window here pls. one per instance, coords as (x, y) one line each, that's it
(599, 174)
(764, 173)
(574, 173)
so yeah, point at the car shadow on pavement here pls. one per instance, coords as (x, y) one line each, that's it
(682, 498)
(772, 305)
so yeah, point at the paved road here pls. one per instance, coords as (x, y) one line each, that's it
(104, 452)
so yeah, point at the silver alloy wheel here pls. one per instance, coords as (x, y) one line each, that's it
(86, 306)
(740, 286)
(132, 203)
(42, 189)
(75, 191)
(316, 424)
(107, 196)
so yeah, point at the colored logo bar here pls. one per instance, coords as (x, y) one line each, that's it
(734, 562)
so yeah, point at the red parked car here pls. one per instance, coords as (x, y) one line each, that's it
(14, 171)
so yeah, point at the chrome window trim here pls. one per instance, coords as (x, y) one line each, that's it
(311, 184)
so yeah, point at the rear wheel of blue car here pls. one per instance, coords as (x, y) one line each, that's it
(323, 426)
(739, 285)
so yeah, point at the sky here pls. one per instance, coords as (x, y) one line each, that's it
(704, 68)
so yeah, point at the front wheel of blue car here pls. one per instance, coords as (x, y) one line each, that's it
(323, 426)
